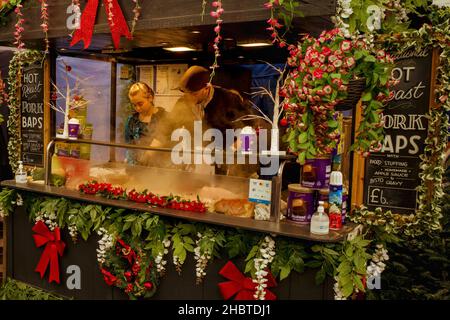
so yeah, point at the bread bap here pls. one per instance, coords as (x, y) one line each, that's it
(235, 207)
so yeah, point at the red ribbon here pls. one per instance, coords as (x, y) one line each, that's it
(53, 247)
(243, 286)
(117, 25)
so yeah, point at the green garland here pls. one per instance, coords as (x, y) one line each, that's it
(206, 242)
(20, 59)
(16, 290)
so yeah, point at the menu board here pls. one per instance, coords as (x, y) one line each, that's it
(392, 175)
(32, 115)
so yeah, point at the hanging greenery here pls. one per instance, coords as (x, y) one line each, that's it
(322, 72)
(152, 236)
(16, 290)
(281, 11)
(6, 6)
(3, 95)
(20, 59)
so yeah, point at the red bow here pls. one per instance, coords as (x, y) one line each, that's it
(117, 25)
(53, 247)
(243, 286)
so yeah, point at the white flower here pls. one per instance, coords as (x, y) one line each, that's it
(19, 200)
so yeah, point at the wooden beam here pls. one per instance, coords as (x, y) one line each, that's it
(156, 14)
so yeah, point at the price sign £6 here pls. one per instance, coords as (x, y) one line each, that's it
(377, 197)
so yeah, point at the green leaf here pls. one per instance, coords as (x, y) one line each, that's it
(303, 137)
(360, 264)
(249, 266)
(189, 247)
(359, 54)
(347, 290)
(136, 228)
(126, 226)
(370, 59)
(333, 123)
(252, 253)
(349, 251)
(292, 134)
(84, 235)
(358, 282)
(284, 272)
(344, 268)
(320, 276)
(373, 134)
(302, 157)
(330, 251)
(367, 96)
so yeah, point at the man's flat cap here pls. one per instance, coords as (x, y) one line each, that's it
(194, 79)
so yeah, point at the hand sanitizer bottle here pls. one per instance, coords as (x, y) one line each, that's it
(320, 224)
(21, 175)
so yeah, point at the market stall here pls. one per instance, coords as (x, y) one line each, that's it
(334, 152)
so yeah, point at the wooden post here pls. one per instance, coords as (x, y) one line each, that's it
(47, 114)
(358, 167)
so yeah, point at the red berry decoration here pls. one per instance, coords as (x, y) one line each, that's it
(283, 122)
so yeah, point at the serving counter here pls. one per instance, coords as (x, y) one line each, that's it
(23, 254)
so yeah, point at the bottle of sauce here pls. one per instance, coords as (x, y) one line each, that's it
(335, 200)
(319, 221)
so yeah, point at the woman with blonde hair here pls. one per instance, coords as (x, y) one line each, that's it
(143, 126)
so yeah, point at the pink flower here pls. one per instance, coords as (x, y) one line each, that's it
(381, 54)
(217, 29)
(443, 99)
(346, 45)
(334, 32)
(350, 62)
(337, 82)
(216, 4)
(326, 51)
(272, 21)
(327, 89)
(337, 63)
(318, 73)
(214, 14)
(268, 5)
(332, 58)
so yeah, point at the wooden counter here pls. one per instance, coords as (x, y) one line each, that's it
(282, 228)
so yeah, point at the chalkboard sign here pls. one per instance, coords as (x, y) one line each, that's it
(32, 115)
(391, 176)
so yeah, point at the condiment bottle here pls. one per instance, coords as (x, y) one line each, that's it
(21, 175)
(335, 200)
(319, 221)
